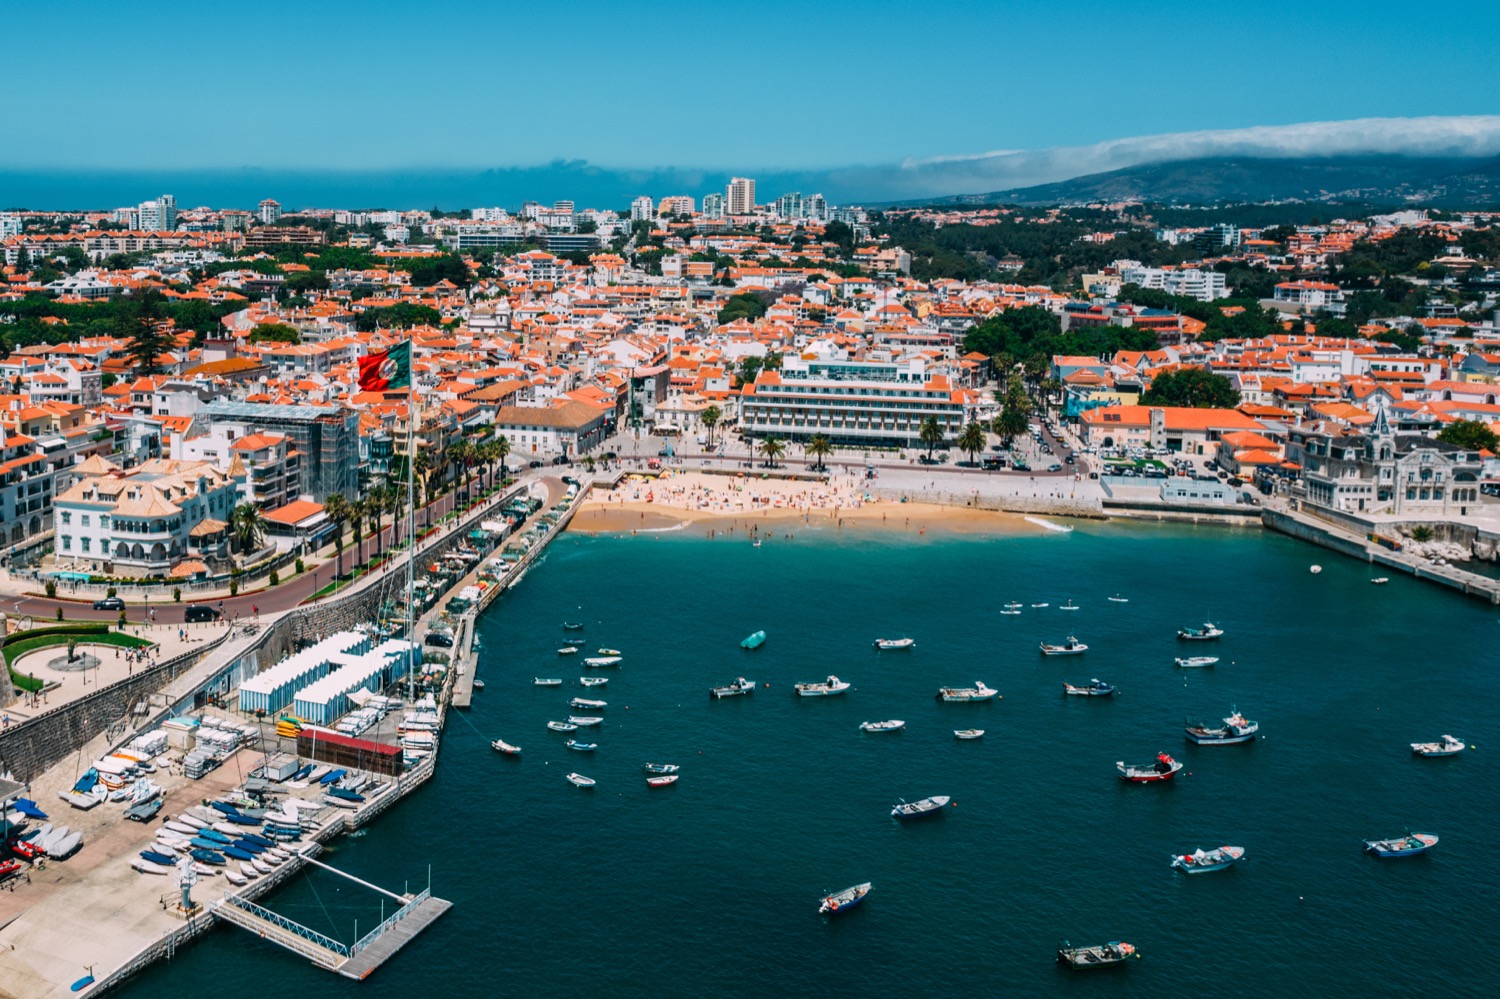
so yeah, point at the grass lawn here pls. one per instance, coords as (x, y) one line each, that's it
(16, 650)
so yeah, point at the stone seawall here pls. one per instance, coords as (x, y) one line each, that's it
(1055, 505)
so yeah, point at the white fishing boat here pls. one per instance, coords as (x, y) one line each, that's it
(585, 721)
(581, 781)
(610, 652)
(1207, 632)
(888, 644)
(827, 688)
(601, 662)
(558, 726)
(1447, 746)
(547, 681)
(893, 725)
(1072, 647)
(502, 746)
(588, 705)
(968, 733)
(593, 681)
(568, 650)
(738, 688)
(1196, 662)
(978, 692)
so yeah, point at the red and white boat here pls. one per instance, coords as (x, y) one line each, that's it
(1162, 768)
(666, 781)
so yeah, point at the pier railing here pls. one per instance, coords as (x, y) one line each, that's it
(286, 925)
(390, 921)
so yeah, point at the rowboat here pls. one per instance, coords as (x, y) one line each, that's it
(968, 733)
(547, 681)
(1202, 861)
(568, 650)
(662, 768)
(1449, 746)
(666, 781)
(600, 662)
(894, 725)
(754, 641)
(558, 726)
(610, 652)
(843, 901)
(572, 626)
(1402, 846)
(506, 748)
(1094, 688)
(978, 692)
(478, 684)
(1196, 662)
(235, 878)
(1098, 956)
(737, 688)
(920, 809)
(593, 681)
(1203, 634)
(587, 705)
(891, 644)
(581, 781)
(585, 720)
(582, 747)
(1072, 647)
(1160, 769)
(827, 688)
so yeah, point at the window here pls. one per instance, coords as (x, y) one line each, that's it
(86, 542)
(85, 520)
(67, 517)
(67, 542)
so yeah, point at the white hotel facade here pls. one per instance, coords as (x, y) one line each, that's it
(878, 403)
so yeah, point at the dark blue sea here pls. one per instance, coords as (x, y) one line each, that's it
(711, 887)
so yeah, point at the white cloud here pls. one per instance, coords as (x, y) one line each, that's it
(1476, 135)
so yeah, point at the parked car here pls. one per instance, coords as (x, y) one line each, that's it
(109, 603)
(439, 639)
(1054, 467)
(561, 459)
(200, 612)
(1069, 459)
(536, 464)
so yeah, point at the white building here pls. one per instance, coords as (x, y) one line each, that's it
(157, 216)
(676, 204)
(1191, 282)
(739, 198)
(642, 209)
(269, 212)
(10, 225)
(713, 206)
(1311, 295)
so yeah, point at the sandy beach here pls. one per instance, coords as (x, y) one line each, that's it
(721, 504)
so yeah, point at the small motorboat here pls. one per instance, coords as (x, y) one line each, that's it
(1069, 606)
(1202, 861)
(236, 878)
(756, 640)
(1402, 846)
(662, 768)
(547, 681)
(601, 662)
(968, 733)
(1072, 647)
(920, 809)
(558, 726)
(978, 692)
(666, 781)
(1449, 746)
(568, 650)
(843, 901)
(1236, 728)
(827, 688)
(891, 644)
(739, 687)
(585, 721)
(582, 747)
(587, 705)
(1094, 688)
(1207, 632)
(1195, 662)
(1098, 956)
(502, 746)
(1117, 599)
(581, 781)
(1315, 569)
(1381, 580)
(610, 652)
(478, 684)
(572, 626)
(893, 725)
(593, 681)
(1160, 769)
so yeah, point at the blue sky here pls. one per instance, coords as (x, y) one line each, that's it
(874, 95)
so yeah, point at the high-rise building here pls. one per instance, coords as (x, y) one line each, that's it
(157, 216)
(642, 208)
(676, 204)
(816, 207)
(563, 206)
(739, 199)
(790, 206)
(10, 225)
(269, 212)
(713, 205)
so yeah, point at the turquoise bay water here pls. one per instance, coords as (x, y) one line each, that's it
(710, 887)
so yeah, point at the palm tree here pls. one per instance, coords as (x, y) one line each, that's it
(336, 508)
(971, 440)
(247, 524)
(459, 453)
(710, 418)
(502, 451)
(374, 507)
(357, 512)
(393, 498)
(772, 449)
(819, 447)
(931, 435)
(423, 468)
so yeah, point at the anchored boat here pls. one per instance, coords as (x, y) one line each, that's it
(506, 748)
(843, 901)
(666, 781)
(1196, 662)
(662, 768)
(585, 720)
(920, 809)
(1094, 688)
(1098, 956)
(1448, 746)
(547, 681)
(755, 641)
(1402, 846)
(581, 781)
(894, 725)
(1072, 647)
(827, 688)
(1202, 861)
(600, 662)
(1236, 728)
(738, 688)
(587, 705)
(593, 681)
(558, 726)
(968, 733)
(890, 644)
(1160, 769)
(978, 692)
(1203, 634)
(582, 747)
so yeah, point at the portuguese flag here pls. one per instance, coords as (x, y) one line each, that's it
(386, 369)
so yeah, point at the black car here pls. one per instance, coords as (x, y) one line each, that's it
(109, 603)
(568, 480)
(664, 453)
(439, 639)
(536, 464)
(1069, 459)
(200, 612)
(561, 459)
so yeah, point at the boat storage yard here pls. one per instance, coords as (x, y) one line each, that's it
(87, 921)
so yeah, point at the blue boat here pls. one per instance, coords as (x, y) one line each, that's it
(224, 807)
(582, 747)
(755, 641)
(243, 820)
(301, 774)
(1402, 846)
(82, 983)
(237, 853)
(159, 858)
(1094, 688)
(248, 847)
(208, 857)
(343, 794)
(86, 782)
(208, 844)
(843, 901)
(28, 808)
(1202, 861)
(215, 835)
(333, 776)
(258, 840)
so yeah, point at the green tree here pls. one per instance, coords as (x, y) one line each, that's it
(819, 447)
(1015, 407)
(336, 509)
(136, 321)
(275, 333)
(742, 306)
(502, 451)
(772, 448)
(931, 435)
(710, 418)
(750, 366)
(357, 511)
(1197, 388)
(971, 439)
(1471, 435)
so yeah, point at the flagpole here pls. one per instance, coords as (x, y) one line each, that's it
(411, 524)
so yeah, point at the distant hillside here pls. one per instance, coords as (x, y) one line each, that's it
(1447, 182)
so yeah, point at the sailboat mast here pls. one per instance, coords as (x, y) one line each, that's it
(411, 531)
